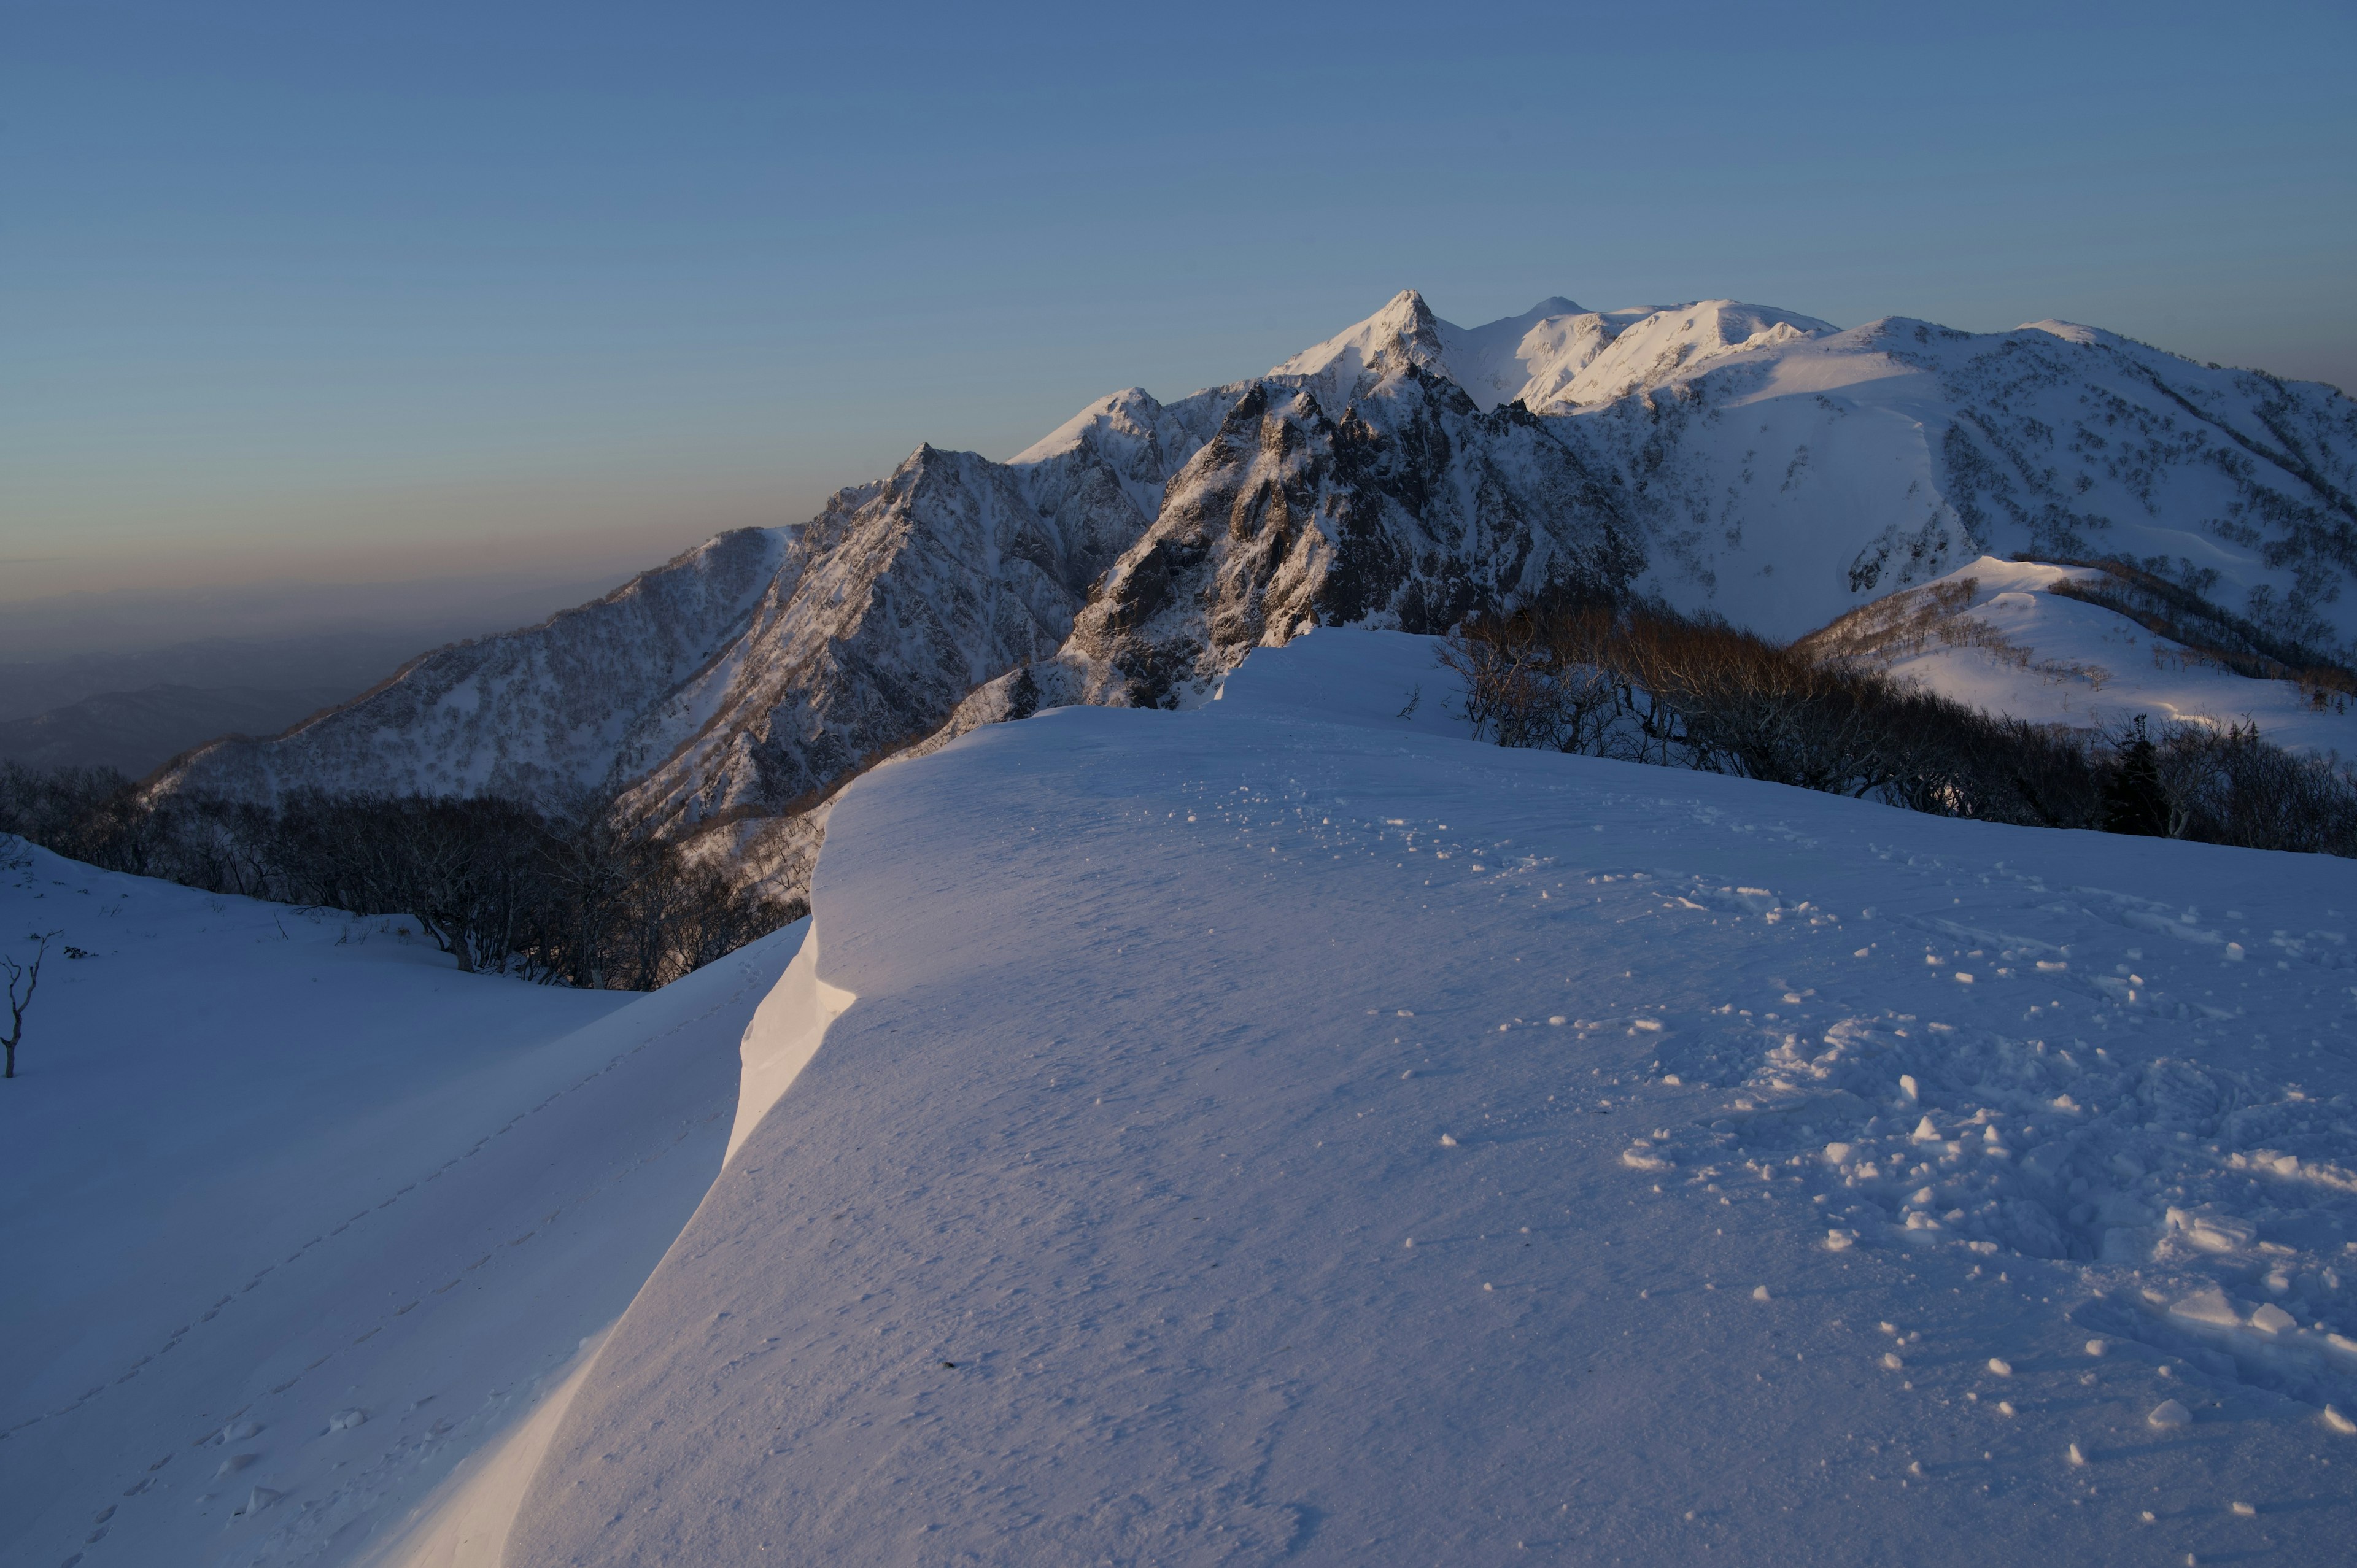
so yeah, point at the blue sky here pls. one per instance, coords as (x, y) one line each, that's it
(332, 291)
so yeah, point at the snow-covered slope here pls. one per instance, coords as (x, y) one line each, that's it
(897, 600)
(577, 703)
(1732, 459)
(1782, 485)
(1284, 1129)
(1993, 635)
(271, 1167)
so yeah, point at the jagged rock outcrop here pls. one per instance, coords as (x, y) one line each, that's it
(899, 599)
(1411, 509)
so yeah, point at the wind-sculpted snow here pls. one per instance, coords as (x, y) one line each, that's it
(1734, 459)
(1285, 1130)
(304, 1218)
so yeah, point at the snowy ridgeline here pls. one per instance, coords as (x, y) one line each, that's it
(300, 1218)
(1287, 1128)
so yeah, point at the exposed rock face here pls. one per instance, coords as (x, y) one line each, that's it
(1412, 509)
(897, 600)
(1731, 458)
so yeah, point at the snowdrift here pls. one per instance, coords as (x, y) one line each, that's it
(1284, 1129)
(304, 1218)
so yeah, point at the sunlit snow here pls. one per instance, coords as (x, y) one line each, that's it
(1086, 1232)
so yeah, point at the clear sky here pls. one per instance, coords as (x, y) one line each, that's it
(344, 292)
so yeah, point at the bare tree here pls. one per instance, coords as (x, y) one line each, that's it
(28, 977)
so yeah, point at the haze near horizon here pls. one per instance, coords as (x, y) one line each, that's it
(541, 297)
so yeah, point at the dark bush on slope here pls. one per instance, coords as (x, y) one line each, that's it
(2209, 634)
(1643, 683)
(562, 897)
(2232, 786)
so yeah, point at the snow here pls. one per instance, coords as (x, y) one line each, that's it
(1627, 351)
(1494, 363)
(304, 1217)
(1047, 1229)
(588, 696)
(1554, 357)
(1788, 478)
(786, 1031)
(2033, 654)
(464, 1523)
(1336, 367)
(1085, 1232)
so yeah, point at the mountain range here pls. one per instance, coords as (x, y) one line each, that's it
(1728, 458)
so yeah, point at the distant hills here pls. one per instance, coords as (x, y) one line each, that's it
(138, 731)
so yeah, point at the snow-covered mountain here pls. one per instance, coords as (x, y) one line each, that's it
(1734, 458)
(565, 705)
(1412, 509)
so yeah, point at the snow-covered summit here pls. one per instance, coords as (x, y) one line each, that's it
(1492, 362)
(1595, 358)
(1552, 358)
(2071, 332)
(1128, 415)
(1404, 332)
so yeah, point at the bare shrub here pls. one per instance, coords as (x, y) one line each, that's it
(22, 981)
(2209, 634)
(1528, 681)
(1643, 683)
(2231, 786)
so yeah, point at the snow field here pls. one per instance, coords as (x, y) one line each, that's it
(1284, 1129)
(309, 1216)
(2052, 660)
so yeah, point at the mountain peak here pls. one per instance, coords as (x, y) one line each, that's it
(1404, 329)
(1494, 363)
(1131, 411)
